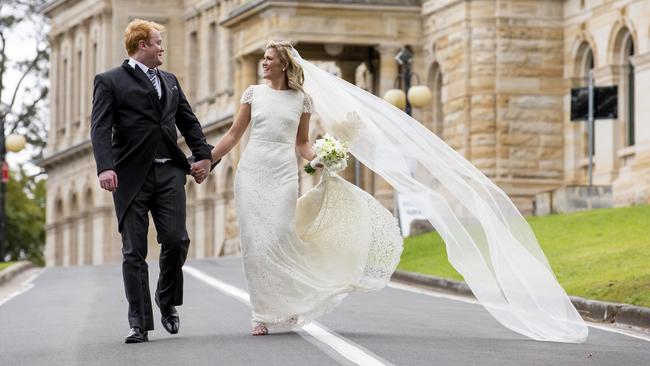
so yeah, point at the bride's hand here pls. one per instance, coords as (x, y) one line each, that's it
(316, 164)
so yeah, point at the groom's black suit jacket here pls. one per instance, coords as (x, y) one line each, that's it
(129, 121)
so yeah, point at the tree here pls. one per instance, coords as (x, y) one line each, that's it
(25, 236)
(22, 108)
(23, 95)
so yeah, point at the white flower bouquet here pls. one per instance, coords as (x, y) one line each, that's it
(331, 153)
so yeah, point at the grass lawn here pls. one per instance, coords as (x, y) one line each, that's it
(600, 254)
(4, 265)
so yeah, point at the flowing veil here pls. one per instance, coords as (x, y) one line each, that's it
(488, 241)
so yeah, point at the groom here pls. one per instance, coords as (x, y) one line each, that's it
(136, 109)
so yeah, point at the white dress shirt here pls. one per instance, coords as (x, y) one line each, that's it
(133, 62)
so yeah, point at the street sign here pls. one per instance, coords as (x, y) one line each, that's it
(5, 172)
(605, 103)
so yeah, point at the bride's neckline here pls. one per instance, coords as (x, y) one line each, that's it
(280, 90)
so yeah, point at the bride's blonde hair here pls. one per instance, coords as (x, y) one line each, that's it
(294, 73)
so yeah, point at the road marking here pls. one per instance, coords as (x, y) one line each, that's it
(26, 286)
(339, 344)
(418, 290)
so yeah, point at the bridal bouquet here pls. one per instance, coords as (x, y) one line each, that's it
(331, 153)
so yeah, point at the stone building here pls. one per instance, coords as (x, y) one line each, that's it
(500, 71)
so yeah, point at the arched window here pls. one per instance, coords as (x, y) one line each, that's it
(73, 224)
(623, 49)
(438, 115)
(58, 232)
(584, 66)
(628, 51)
(88, 227)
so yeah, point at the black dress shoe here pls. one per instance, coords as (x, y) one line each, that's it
(170, 319)
(137, 335)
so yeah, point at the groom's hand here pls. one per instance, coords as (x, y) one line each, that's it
(200, 170)
(108, 180)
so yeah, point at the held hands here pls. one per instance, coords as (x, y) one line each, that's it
(108, 180)
(200, 170)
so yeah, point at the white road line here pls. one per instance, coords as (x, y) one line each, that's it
(600, 326)
(336, 342)
(26, 286)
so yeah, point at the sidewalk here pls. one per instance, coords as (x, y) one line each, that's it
(621, 315)
(14, 270)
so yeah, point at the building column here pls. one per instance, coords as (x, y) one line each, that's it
(573, 138)
(349, 74)
(219, 224)
(608, 134)
(50, 241)
(102, 240)
(208, 237)
(199, 229)
(246, 75)
(80, 227)
(66, 240)
(640, 170)
(348, 70)
(191, 227)
(388, 72)
(54, 95)
(67, 98)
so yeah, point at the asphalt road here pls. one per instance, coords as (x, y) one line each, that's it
(77, 316)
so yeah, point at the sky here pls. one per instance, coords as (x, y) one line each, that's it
(20, 46)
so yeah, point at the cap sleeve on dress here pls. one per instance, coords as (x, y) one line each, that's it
(307, 104)
(247, 97)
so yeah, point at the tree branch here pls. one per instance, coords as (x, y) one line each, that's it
(32, 65)
(2, 65)
(31, 109)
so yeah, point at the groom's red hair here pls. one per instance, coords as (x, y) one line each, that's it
(139, 30)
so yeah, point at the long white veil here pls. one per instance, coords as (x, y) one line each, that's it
(488, 241)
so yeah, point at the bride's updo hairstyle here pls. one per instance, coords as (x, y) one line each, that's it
(295, 75)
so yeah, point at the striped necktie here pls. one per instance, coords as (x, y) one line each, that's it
(151, 73)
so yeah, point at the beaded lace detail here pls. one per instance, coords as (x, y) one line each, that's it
(247, 96)
(307, 104)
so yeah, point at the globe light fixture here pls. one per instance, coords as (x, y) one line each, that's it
(396, 97)
(15, 143)
(419, 95)
(333, 49)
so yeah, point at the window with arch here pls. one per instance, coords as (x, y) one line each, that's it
(63, 86)
(58, 232)
(213, 41)
(437, 115)
(78, 84)
(88, 227)
(585, 66)
(622, 52)
(628, 73)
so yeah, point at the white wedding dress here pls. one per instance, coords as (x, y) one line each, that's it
(302, 256)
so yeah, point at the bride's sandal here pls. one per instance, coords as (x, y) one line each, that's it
(259, 330)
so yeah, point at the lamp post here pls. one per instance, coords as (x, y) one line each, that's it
(408, 97)
(13, 143)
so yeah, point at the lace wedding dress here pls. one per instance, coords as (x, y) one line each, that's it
(302, 256)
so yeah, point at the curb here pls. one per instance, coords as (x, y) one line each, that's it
(593, 310)
(14, 270)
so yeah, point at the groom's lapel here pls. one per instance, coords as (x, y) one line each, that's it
(169, 87)
(140, 76)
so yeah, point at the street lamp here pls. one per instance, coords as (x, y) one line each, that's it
(416, 96)
(13, 143)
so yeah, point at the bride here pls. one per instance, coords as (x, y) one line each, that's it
(302, 256)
